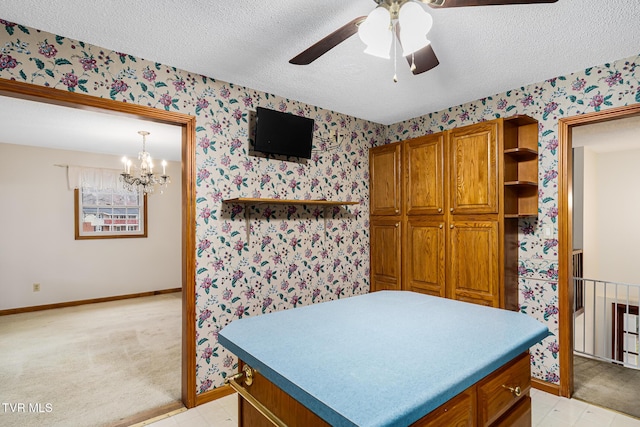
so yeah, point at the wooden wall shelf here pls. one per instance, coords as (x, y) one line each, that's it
(259, 201)
(522, 215)
(252, 201)
(522, 153)
(522, 184)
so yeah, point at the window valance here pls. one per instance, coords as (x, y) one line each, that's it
(94, 178)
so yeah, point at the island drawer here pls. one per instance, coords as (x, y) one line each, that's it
(502, 389)
(457, 412)
(518, 416)
(485, 403)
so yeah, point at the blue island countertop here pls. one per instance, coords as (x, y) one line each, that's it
(381, 359)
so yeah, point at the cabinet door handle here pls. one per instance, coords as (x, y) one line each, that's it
(440, 225)
(451, 226)
(439, 209)
(397, 210)
(515, 390)
(451, 210)
(397, 225)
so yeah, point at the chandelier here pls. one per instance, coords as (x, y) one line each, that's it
(144, 178)
(405, 18)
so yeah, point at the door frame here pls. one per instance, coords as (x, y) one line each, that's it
(565, 231)
(37, 93)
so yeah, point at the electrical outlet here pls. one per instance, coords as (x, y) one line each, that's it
(36, 287)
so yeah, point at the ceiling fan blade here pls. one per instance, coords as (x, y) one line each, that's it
(326, 44)
(466, 3)
(425, 59)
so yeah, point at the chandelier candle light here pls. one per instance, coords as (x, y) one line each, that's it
(145, 180)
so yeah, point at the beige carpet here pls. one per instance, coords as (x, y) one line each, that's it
(607, 385)
(90, 365)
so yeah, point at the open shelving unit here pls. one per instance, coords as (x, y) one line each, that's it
(251, 201)
(520, 167)
(262, 201)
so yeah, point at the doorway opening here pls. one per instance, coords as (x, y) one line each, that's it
(567, 294)
(606, 277)
(187, 124)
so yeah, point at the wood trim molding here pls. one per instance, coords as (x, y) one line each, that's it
(565, 250)
(189, 263)
(545, 386)
(188, 123)
(216, 393)
(152, 415)
(86, 301)
(565, 231)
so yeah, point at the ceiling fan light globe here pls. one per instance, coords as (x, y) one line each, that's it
(415, 23)
(375, 32)
(381, 50)
(413, 46)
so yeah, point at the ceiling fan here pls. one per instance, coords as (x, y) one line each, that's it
(410, 23)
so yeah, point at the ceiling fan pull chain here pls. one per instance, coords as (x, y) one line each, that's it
(395, 56)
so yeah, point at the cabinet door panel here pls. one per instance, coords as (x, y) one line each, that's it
(385, 179)
(474, 172)
(424, 175)
(424, 253)
(385, 254)
(474, 273)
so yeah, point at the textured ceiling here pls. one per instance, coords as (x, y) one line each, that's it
(90, 131)
(482, 50)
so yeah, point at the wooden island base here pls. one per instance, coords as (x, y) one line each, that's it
(500, 399)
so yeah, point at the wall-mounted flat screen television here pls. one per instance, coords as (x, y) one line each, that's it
(283, 133)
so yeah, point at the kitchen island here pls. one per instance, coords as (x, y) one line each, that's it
(390, 358)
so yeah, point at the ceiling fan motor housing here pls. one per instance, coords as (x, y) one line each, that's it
(429, 2)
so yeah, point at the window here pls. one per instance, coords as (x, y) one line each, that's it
(109, 213)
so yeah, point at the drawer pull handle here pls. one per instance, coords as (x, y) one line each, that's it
(515, 390)
(247, 373)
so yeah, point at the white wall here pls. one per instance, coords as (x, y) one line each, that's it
(591, 220)
(611, 206)
(618, 204)
(37, 242)
(578, 197)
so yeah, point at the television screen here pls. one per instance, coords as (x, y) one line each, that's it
(283, 133)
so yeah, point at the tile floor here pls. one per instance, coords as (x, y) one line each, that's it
(548, 411)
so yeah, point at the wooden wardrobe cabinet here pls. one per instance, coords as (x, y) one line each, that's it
(474, 262)
(445, 209)
(384, 176)
(473, 160)
(424, 172)
(424, 255)
(386, 249)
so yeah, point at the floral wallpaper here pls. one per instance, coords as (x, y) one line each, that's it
(258, 259)
(594, 89)
(254, 259)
